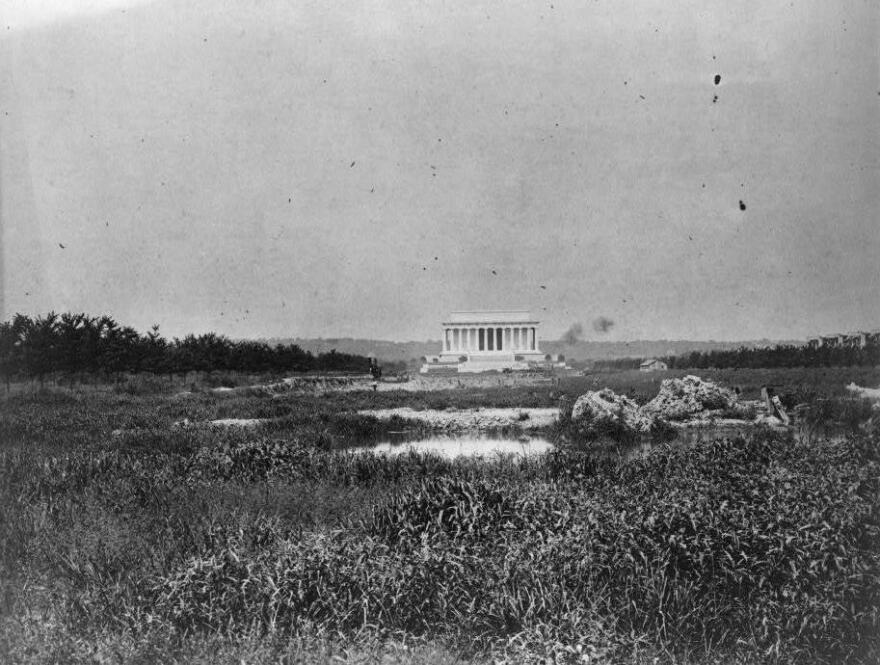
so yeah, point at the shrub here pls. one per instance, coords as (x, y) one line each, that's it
(758, 545)
(220, 380)
(838, 413)
(141, 384)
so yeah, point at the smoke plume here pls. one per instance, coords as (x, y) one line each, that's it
(602, 324)
(573, 334)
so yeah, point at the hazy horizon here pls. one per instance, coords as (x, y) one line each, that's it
(276, 169)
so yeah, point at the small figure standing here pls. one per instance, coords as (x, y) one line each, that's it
(375, 372)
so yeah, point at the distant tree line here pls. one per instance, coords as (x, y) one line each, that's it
(78, 344)
(780, 356)
(617, 364)
(777, 356)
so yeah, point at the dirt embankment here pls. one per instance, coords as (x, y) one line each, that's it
(306, 384)
(321, 384)
(471, 419)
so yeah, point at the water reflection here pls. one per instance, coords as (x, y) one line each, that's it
(487, 445)
(465, 445)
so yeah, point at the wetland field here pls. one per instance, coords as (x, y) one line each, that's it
(133, 530)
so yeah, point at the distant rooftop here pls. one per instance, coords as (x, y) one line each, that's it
(491, 316)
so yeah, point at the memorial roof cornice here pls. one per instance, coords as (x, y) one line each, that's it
(486, 317)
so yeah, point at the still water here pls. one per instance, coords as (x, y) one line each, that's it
(461, 445)
(486, 445)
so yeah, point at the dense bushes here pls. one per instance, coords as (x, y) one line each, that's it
(77, 344)
(782, 355)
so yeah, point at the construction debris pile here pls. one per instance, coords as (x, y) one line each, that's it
(690, 401)
(682, 399)
(606, 405)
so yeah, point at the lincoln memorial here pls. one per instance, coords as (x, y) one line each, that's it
(482, 341)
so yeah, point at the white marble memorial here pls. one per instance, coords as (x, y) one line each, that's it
(482, 341)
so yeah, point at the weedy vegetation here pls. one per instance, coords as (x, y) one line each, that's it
(127, 537)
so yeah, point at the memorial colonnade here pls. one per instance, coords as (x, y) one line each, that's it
(470, 339)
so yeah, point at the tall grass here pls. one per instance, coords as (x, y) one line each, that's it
(758, 549)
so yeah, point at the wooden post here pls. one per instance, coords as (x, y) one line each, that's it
(780, 410)
(774, 405)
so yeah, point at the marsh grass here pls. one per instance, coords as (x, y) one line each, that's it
(176, 544)
(800, 383)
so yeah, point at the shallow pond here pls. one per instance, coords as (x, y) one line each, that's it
(460, 445)
(486, 444)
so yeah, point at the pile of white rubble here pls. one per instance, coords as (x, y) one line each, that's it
(688, 401)
(605, 404)
(682, 399)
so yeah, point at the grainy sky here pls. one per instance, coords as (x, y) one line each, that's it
(279, 168)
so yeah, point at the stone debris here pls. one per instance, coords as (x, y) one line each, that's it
(690, 397)
(605, 404)
(685, 403)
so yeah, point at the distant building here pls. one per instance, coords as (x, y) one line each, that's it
(860, 338)
(653, 365)
(855, 340)
(484, 341)
(830, 341)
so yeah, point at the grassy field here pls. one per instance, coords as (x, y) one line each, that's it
(127, 537)
(793, 385)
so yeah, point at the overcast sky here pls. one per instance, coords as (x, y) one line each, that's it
(281, 168)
